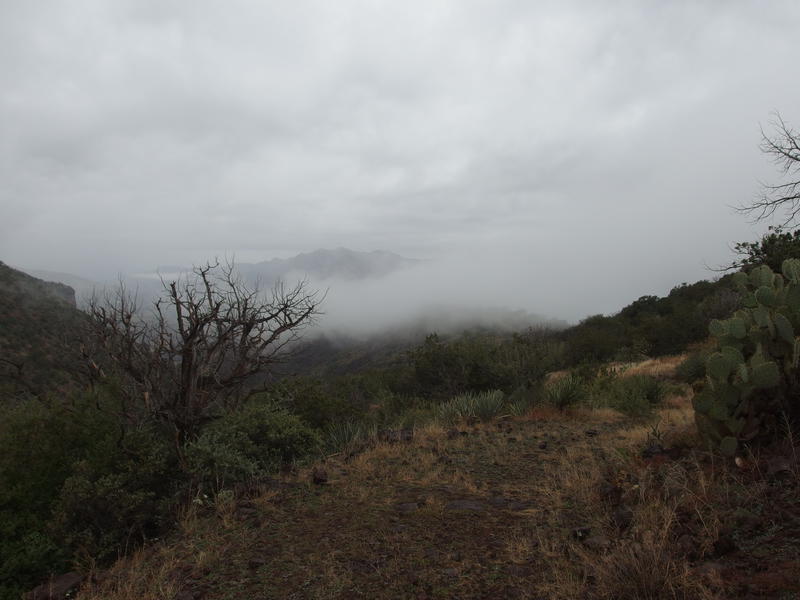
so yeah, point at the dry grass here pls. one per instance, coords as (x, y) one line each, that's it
(384, 526)
(662, 367)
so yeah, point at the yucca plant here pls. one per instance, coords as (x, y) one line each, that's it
(482, 405)
(564, 392)
(457, 408)
(488, 405)
(344, 435)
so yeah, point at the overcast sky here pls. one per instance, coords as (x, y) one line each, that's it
(592, 147)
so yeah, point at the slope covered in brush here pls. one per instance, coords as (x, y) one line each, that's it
(39, 329)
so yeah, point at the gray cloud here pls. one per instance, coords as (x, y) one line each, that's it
(589, 148)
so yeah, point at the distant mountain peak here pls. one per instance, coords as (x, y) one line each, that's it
(335, 263)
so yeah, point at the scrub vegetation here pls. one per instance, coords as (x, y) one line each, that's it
(546, 463)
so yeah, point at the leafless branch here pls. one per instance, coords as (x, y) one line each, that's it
(203, 344)
(784, 149)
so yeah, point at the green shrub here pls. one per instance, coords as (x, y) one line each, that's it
(313, 400)
(250, 442)
(630, 401)
(634, 395)
(565, 392)
(69, 483)
(39, 442)
(111, 503)
(693, 368)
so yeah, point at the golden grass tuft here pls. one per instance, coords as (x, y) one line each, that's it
(662, 367)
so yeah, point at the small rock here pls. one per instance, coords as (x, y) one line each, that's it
(467, 505)
(319, 476)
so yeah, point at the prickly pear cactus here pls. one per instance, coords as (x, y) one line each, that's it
(752, 378)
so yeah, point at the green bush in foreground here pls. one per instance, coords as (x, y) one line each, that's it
(71, 484)
(250, 442)
(112, 502)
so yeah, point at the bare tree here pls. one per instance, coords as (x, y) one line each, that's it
(784, 148)
(201, 348)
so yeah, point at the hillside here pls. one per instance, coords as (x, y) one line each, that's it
(544, 463)
(39, 327)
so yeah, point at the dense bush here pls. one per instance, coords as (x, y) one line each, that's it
(633, 395)
(315, 401)
(250, 442)
(771, 250)
(70, 483)
(693, 367)
(115, 499)
(35, 453)
(636, 395)
(651, 325)
(72, 486)
(443, 369)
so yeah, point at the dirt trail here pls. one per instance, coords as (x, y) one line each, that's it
(535, 507)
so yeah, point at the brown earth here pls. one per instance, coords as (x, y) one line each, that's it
(584, 505)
